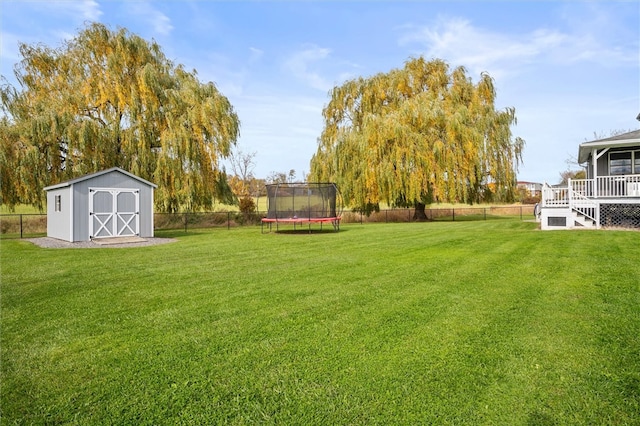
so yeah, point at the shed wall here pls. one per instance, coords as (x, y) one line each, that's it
(116, 180)
(59, 222)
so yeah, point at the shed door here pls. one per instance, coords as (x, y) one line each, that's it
(114, 212)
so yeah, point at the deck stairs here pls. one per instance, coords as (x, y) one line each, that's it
(583, 221)
(579, 204)
(583, 210)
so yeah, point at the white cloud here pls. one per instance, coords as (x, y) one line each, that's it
(160, 22)
(300, 63)
(460, 43)
(89, 9)
(82, 10)
(255, 54)
(9, 52)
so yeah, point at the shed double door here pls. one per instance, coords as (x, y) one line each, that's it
(114, 212)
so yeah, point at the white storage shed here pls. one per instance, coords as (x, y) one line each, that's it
(106, 204)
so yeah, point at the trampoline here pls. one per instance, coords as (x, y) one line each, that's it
(300, 204)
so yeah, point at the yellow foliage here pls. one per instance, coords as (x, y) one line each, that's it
(109, 98)
(419, 134)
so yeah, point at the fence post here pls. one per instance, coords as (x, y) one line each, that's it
(228, 221)
(185, 222)
(20, 226)
(485, 213)
(520, 212)
(453, 214)
(386, 216)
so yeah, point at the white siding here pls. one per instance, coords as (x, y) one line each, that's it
(58, 223)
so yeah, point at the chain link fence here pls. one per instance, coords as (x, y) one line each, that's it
(35, 225)
(23, 225)
(442, 214)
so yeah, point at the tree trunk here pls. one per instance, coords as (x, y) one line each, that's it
(419, 214)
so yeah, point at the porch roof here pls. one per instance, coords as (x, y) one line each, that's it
(622, 140)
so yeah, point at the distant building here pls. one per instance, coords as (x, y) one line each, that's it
(534, 189)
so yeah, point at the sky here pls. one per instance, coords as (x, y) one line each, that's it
(571, 69)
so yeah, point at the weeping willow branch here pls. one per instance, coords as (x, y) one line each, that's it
(418, 135)
(114, 99)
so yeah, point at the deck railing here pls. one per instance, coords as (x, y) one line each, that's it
(554, 196)
(579, 190)
(626, 186)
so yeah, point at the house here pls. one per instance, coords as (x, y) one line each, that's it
(110, 203)
(533, 189)
(608, 197)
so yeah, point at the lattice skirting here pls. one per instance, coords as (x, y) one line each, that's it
(620, 215)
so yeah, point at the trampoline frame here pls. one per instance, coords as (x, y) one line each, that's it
(330, 210)
(335, 221)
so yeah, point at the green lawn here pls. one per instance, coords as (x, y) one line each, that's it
(487, 322)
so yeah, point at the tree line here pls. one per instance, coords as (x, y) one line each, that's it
(412, 136)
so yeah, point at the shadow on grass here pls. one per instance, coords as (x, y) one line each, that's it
(175, 233)
(304, 231)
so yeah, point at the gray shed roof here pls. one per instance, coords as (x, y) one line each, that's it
(622, 140)
(92, 175)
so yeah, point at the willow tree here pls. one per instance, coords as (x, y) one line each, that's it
(415, 136)
(110, 98)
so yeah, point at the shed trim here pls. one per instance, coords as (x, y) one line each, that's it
(114, 217)
(93, 175)
(71, 209)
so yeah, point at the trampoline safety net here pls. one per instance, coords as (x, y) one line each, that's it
(311, 200)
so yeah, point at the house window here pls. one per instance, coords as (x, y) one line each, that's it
(58, 203)
(620, 163)
(557, 221)
(636, 162)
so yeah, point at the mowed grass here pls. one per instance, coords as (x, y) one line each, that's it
(436, 323)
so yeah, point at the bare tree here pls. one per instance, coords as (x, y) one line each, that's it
(281, 177)
(603, 135)
(243, 164)
(571, 174)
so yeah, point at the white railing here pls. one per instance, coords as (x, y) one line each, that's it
(580, 202)
(555, 196)
(581, 187)
(625, 186)
(582, 195)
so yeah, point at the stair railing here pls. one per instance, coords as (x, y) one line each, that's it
(580, 200)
